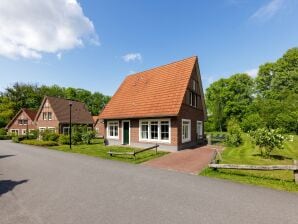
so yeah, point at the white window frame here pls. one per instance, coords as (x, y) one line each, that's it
(51, 116)
(63, 130)
(52, 128)
(158, 140)
(108, 130)
(24, 131)
(199, 132)
(44, 116)
(12, 131)
(122, 134)
(184, 140)
(42, 128)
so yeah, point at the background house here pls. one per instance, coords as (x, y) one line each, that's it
(22, 122)
(98, 126)
(54, 114)
(162, 105)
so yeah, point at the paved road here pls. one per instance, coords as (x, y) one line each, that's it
(45, 186)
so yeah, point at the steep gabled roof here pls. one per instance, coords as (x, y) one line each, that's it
(60, 106)
(95, 118)
(152, 93)
(31, 113)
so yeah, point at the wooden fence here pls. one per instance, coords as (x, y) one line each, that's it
(214, 165)
(134, 152)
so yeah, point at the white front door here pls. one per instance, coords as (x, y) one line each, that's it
(199, 129)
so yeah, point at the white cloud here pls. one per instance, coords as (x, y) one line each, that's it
(252, 72)
(268, 10)
(30, 28)
(132, 57)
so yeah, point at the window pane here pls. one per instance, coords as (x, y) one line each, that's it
(144, 130)
(164, 130)
(111, 131)
(50, 115)
(154, 130)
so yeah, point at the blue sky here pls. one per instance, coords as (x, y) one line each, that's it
(95, 44)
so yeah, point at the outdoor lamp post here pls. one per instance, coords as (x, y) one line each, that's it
(27, 130)
(70, 105)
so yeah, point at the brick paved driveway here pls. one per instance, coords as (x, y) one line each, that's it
(187, 161)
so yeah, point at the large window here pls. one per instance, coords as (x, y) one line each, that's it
(164, 130)
(22, 121)
(186, 130)
(155, 130)
(113, 129)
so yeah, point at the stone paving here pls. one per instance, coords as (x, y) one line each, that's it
(187, 161)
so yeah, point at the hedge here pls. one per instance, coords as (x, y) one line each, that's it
(39, 143)
(5, 137)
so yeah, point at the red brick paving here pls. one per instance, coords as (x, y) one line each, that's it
(188, 160)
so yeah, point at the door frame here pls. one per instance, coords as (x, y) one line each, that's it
(122, 137)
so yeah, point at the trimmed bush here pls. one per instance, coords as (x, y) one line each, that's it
(48, 135)
(33, 134)
(234, 133)
(63, 140)
(39, 143)
(5, 137)
(18, 138)
(88, 136)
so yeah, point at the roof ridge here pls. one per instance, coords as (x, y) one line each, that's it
(184, 59)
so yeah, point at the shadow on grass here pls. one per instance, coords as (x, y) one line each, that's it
(9, 185)
(4, 156)
(276, 157)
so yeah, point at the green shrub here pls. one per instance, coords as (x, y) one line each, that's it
(63, 140)
(3, 131)
(5, 137)
(39, 143)
(88, 136)
(49, 135)
(76, 137)
(267, 140)
(18, 138)
(33, 134)
(234, 133)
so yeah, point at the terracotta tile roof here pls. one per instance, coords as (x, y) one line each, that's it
(31, 113)
(60, 106)
(155, 92)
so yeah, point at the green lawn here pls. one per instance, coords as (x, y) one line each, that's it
(248, 154)
(98, 149)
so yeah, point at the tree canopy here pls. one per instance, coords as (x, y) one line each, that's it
(270, 100)
(21, 95)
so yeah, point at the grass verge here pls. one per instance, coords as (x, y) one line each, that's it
(248, 154)
(98, 149)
